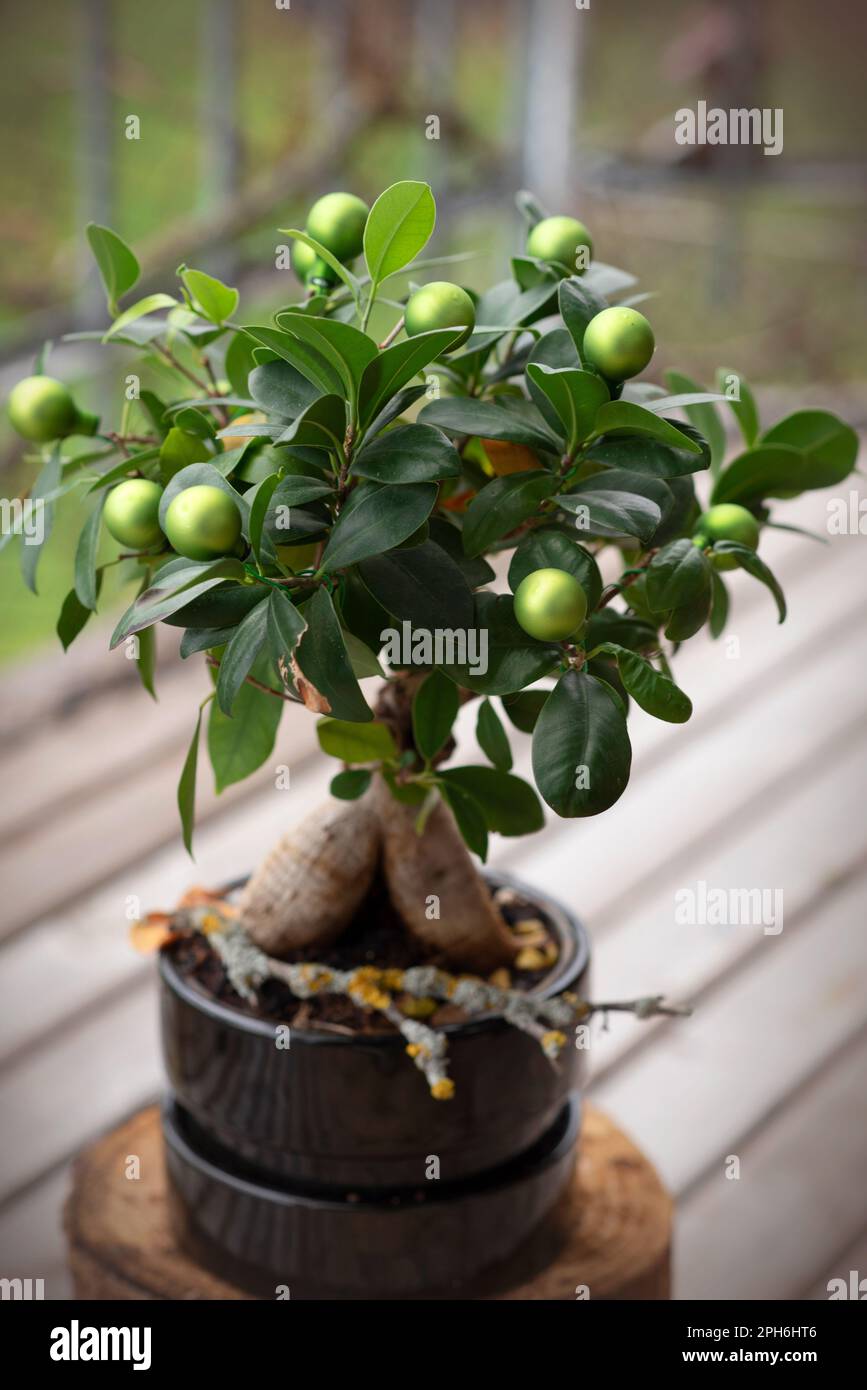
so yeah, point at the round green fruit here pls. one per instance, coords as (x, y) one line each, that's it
(41, 408)
(337, 221)
(308, 266)
(618, 343)
(550, 605)
(564, 240)
(440, 305)
(132, 513)
(203, 523)
(726, 522)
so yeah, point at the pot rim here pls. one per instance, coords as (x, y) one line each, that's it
(564, 974)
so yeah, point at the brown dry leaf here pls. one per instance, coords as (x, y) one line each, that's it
(151, 934)
(313, 698)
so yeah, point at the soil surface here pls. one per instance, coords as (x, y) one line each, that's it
(376, 937)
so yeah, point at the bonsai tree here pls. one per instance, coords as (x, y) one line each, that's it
(309, 507)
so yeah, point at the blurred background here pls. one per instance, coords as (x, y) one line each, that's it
(246, 112)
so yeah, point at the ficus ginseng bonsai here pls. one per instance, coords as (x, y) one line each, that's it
(312, 507)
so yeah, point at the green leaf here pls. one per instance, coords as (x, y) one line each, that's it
(172, 589)
(703, 414)
(642, 454)
(575, 395)
(351, 281)
(653, 691)
(216, 301)
(259, 499)
(187, 786)
(512, 659)
(578, 305)
(242, 743)
(322, 657)
(290, 348)
(449, 537)
(86, 586)
(224, 606)
(509, 804)
(831, 446)
(524, 707)
(461, 415)
(149, 305)
(356, 743)
(623, 628)
(618, 503)
(146, 661)
(422, 586)
(502, 505)
(408, 454)
(768, 470)
(45, 487)
(398, 227)
(492, 737)
(743, 405)
(178, 450)
(347, 350)
(469, 816)
(434, 710)
(117, 264)
(286, 627)
(236, 663)
(321, 426)
(677, 575)
(557, 350)
(719, 605)
(394, 409)
(686, 620)
(581, 749)
(73, 615)
(349, 786)
(280, 390)
(375, 518)
(750, 561)
(626, 416)
(239, 362)
(550, 547)
(390, 370)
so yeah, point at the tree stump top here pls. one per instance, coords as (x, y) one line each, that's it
(121, 1245)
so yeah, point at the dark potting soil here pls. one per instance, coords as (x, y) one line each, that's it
(376, 937)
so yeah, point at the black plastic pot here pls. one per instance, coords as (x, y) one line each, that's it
(352, 1111)
(470, 1237)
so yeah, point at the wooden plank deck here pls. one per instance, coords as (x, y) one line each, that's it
(762, 789)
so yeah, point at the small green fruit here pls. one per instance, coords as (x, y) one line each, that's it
(132, 513)
(563, 240)
(550, 604)
(41, 408)
(203, 523)
(726, 522)
(618, 343)
(337, 221)
(440, 305)
(308, 266)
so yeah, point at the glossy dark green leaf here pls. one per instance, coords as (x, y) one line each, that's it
(46, 485)
(73, 615)
(489, 420)
(469, 816)
(625, 629)
(376, 518)
(704, 415)
(321, 426)
(242, 743)
(509, 804)
(503, 505)
(146, 661)
(172, 588)
(187, 787)
(349, 786)
(551, 547)
(118, 266)
(750, 561)
(281, 391)
(556, 350)
(629, 418)
(578, 305)
(449, 537)
(225, 605)
(678, 574)
(653, 691)
(86, 554)
(422, 586)
(202, 639)
(434, 710)
(243, 648)
(394, 409)
(510, 659)
(347, 350)
(392, 369)
(618, 503)
(322, 657)
(310, 363)
(686, 620)
(492, 737)
(768, 470)
(524, 707)
(831, 446)
(408, 454)
(719, 605)
(581, 750)
(286, 626)
(575, 395)
(643, 454)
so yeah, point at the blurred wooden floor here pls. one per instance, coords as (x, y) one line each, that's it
(764, 788)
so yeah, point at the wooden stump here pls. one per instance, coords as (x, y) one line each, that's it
(121, 1244)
